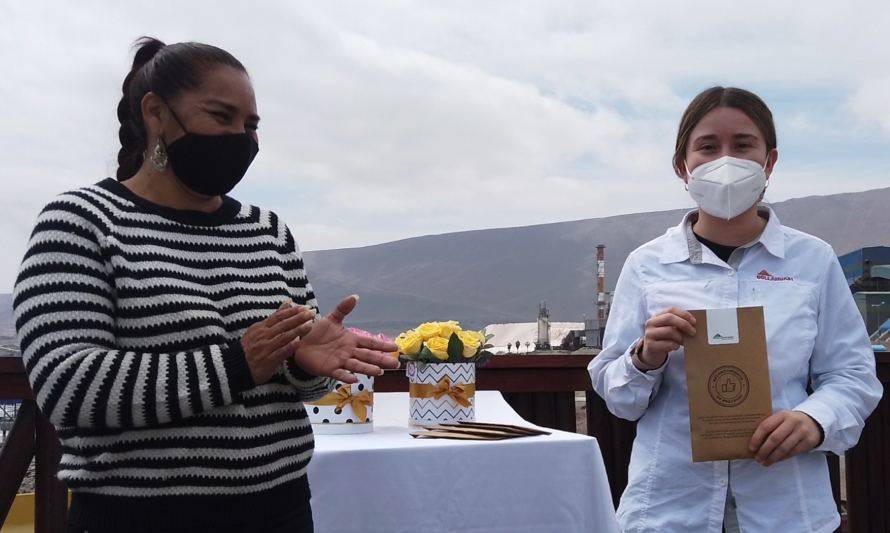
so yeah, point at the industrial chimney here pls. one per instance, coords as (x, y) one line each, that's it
(594, 328)
(601, 291)
(543, 328)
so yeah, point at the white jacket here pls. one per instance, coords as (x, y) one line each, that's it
(814, 333)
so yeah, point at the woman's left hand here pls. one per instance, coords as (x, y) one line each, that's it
(783, 435)
(331, 350)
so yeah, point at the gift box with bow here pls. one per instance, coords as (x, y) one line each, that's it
(346, 409)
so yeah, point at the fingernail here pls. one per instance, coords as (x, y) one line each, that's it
(354, 296)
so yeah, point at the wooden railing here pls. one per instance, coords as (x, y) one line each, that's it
(31, 437)
(542, 390)
(868, 465)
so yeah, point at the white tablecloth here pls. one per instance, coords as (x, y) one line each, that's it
(386, 481)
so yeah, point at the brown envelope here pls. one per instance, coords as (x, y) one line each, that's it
(727, 376)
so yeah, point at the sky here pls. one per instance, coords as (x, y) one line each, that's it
(387, 120)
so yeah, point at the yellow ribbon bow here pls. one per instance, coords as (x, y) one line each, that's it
(461, 394)
(343, 396)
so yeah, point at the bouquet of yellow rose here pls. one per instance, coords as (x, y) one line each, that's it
(443, 342)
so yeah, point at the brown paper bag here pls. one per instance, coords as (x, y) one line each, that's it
(727, 376)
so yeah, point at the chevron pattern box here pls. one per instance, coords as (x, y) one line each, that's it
(441, 392)
(345, 410)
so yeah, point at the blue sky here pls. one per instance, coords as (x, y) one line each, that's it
(385, 120)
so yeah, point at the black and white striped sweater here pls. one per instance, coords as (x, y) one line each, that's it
(129, 316)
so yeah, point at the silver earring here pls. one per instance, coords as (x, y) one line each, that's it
(159, 155)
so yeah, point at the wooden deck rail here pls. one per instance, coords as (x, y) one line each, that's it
(540, 387)
(868, 465)
(32, 437)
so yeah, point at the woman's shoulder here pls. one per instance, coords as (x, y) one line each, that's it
(91, 205)
(271, 223)
(801, 244)
(95, 194)
(265, 217)
(657, 248)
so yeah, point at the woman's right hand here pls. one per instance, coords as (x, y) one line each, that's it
(664, 334)
(273, 340)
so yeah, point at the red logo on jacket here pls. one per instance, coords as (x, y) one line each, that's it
(764, 275)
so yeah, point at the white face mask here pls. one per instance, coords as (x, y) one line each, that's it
(727, 187)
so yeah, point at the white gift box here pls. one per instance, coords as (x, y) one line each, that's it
(339, 413)
(441, 392)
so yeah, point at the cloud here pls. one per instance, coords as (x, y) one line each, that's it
(871, 105)
(401, 118)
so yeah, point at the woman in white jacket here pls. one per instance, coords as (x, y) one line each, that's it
(734, 252)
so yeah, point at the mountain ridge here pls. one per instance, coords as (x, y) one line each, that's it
(499, 275)
(514, 268)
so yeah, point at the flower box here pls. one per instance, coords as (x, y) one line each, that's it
(441, 392)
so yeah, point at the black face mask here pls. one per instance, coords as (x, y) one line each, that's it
(211, 164)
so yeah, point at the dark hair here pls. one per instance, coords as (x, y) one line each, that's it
(165, 70)
(710, 99)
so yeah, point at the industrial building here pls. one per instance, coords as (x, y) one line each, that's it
(868, 273)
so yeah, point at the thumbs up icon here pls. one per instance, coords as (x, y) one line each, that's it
(728, 386)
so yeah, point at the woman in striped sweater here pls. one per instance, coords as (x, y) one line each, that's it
(154, 319)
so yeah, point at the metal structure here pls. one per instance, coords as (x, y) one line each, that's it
(882, 335)
(868, 273)
(866, 264)
(874, 308)
(594, 328)
(543, 342)
(8, 412)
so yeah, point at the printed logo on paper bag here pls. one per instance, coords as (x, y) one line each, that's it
(723, 326)
(728, 386)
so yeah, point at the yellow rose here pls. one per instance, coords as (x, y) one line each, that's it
(472, 341)
(438, 347)
(428, 330)
(447, 328)
(409, 343)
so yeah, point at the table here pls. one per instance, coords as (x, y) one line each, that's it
(386, 481)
